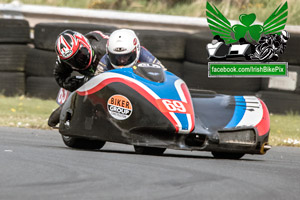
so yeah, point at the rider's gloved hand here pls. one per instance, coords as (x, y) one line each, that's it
(72, 83)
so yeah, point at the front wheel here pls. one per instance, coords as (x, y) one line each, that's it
(149, 150)
(226, 155)
(82, 143)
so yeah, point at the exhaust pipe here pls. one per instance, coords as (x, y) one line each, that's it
(265, 147)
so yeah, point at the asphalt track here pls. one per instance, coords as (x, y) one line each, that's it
(35, 164)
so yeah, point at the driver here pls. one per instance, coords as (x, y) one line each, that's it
(123, 50)
(76, 52)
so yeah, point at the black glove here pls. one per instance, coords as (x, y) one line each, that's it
(72, 83)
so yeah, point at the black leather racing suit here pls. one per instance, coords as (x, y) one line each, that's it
(63, 72)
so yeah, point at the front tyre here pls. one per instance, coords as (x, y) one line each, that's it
(226, 155)
(82, 143)
(149, 150)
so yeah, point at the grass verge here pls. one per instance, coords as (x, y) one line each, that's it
(33, 113)
(25, 112)
(285, 130)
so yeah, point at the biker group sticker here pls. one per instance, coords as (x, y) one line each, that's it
(119, 107)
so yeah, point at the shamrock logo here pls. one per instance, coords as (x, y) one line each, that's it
(247, 30)
(219, 25)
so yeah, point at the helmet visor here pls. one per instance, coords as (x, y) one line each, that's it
(81, 59)
(122, 59)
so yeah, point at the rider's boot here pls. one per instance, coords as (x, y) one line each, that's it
(54, 117)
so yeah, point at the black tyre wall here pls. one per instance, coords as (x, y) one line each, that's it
(45, 34)
(13, 57)
(40, 63)
(42, 87)
(163, 44)
(14, 31)
(196, 47)
(12, 83)
(280, 102)
(196, 76)
(174, 66)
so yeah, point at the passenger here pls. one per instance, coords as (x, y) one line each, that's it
(123, 49)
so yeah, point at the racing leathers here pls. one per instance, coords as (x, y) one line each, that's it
(63, 71)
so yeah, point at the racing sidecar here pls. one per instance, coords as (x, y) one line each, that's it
(152, 109)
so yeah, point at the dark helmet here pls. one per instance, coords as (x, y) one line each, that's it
(74, 49)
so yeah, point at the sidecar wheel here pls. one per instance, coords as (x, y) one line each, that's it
(225, 155)
(81, 143)
(149, 150)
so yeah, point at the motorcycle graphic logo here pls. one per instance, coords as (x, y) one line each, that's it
(255, 42)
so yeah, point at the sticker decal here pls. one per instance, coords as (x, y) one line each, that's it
(119, 107)
(62, 96)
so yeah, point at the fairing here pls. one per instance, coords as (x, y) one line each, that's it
(171, 97)
(122, 106)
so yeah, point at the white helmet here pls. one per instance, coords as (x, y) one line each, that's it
(123, 48)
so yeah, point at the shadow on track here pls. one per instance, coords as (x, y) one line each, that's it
(167, 155)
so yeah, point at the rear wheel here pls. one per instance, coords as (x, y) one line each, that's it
(226, 155)
(82, 143)
(149, 150)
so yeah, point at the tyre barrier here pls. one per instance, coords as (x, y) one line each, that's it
(45, 34)
(41, 87)
(39, 71)
(174, 66)
(12, 83)
(14, 31)
(14, 36)
(195, 50)
(13, 57)
(40, 63)
(40, 81)
(163, 44)
(280, 102)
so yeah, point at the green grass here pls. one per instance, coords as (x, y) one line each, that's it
(196, 8)
(25, 112)
(285, 130)
(33, 113)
